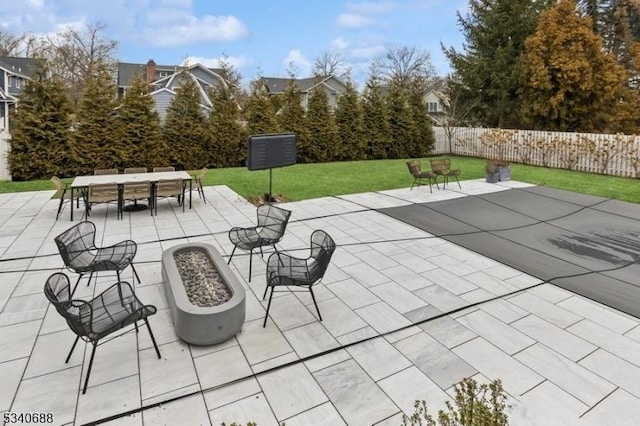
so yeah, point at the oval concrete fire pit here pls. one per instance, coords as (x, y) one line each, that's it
(215, 320)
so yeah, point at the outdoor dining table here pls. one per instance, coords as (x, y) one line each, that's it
(83, 182)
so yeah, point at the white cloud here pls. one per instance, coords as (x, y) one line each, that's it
(38, 4)
(372, 8)
(237, 62)
(338, 44)
(301, 65)
(188, 30)
(367, 52)
(354, 21)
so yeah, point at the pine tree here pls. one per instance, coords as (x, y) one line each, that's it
(139, 125)
(572, 85)
(40, 132)
(95, 143)
(185, 129)
(227, 135)
(401, 125)
(349, 120)
(291, 116)
(259, 112)
(422, 127)
(488, 69)
(321, 126)
(376, 120)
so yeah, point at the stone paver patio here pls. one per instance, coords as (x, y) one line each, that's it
(563, 359)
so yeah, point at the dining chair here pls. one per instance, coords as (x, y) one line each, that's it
(166, 188)
(62, 191)
(284, 270)
(93, 320)
(101, 193)
(164, 169)
(197, 183)
(134, 191)
(129, 170)
(97, 172)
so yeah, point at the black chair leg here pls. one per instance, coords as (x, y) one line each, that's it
(60, 206)
(86, 380)
(250, 262)
(201, 190)
(265, 292)
(91, 276)
(264, 324)
(231, 257)
(458, 182)
(76, 286)
(315, 303)
(135, 273)
(153, 339)
(72, 348)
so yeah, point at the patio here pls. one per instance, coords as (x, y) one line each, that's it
(563, 359)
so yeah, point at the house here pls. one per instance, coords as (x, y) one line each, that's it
(165, 79)
(332, 86)
(14, 72)
(436, 103)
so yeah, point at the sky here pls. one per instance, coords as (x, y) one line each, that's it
(258, 37)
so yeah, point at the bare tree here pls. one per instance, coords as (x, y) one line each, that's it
(330, 64)
(404, 65)
(25, 45)
(74, 55)
(456, 110)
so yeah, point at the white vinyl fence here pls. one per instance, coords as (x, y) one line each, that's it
(617, 155)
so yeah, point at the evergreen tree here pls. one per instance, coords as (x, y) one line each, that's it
(185, 129)
(291, 116)
(375, 119)
(259, 112)
(95, 143)
(321, 125)
(423, 129)
(350, 124)
(401, 124)
(488, 69)
(227, 135)
(140, 126)
(572, 85)
(40, 132)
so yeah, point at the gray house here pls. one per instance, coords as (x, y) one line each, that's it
(165, 79)
(332, 86)
(14, 72)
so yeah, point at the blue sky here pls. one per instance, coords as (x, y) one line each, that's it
(258, 37)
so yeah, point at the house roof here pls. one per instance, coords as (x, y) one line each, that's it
(126, 71)
(277, 85)
(24, 67)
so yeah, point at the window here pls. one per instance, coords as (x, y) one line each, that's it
(17, 83)
(164, 74)
(433, 107)
(11, 81)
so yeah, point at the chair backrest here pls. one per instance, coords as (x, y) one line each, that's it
(102, 192)
(136, 190)
(273, 221)
(75, 244)
(169, 187)
(322, 248)
(164, 169)
(57, 290)
(440, 166)
(59, 185)
(414, 167)
(105, 172)
(135, 170)
(201, 173)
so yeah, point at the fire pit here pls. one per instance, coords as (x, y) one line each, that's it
(206, 299)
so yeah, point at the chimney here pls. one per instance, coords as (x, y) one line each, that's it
(151, 71)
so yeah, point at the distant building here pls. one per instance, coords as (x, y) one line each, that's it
(165, 79)
(333, 87)
(14, 72)
(436, 104)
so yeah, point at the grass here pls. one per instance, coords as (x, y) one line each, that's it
(304, 181)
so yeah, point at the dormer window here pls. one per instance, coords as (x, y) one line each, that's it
(164, 74)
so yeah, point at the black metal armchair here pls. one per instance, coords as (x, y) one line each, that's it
(272, 222)
(81, 255)
(286, 270)
(91, 320)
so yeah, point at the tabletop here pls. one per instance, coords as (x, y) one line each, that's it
(84, 181)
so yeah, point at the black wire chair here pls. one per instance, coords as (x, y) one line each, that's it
(286, 270)
(272, 222)
(91, 320)
(81, 255)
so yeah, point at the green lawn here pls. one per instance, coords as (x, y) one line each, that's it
(304, 181)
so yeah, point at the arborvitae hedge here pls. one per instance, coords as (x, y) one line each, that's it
(227, 136)
(350, 124)
(321, 125)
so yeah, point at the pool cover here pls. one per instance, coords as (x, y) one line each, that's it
(586, 244)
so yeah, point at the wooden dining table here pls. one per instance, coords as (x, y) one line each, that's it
(82, 182)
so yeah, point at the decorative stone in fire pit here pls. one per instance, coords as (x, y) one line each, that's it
(206, 299)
